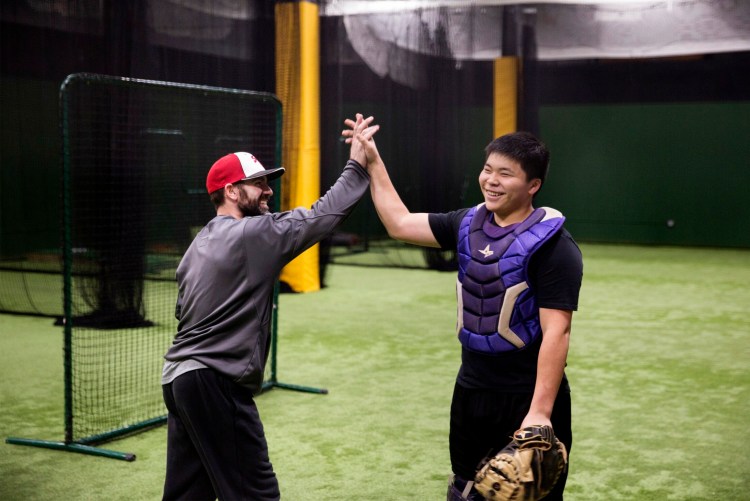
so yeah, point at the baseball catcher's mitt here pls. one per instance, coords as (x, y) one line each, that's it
(525, 469)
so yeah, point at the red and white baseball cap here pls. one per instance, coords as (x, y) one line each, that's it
(237, 167)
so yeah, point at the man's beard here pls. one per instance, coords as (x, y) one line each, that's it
(250, 208)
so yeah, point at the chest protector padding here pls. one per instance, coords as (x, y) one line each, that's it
(497, 312)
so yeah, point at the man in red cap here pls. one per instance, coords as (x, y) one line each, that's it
(241, 169)
(216, 446)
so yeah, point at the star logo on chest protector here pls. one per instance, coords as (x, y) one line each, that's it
(487, 252)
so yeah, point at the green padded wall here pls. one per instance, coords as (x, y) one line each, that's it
(621, 173)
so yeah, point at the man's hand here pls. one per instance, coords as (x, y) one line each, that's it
(360, 135)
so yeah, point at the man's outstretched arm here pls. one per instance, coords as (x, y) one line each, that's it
(413, 228)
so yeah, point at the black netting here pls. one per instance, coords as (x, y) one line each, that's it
(435, 111)
(136, 157)
(223, 44)
(590, 85)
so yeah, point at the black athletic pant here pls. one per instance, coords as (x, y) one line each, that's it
(483, 422)
(216, 446)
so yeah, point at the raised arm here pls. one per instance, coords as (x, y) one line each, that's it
(413, 228)
(293, 231)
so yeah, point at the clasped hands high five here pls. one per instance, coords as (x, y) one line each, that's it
(360, 137)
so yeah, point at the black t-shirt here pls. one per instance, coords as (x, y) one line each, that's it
(555, 273)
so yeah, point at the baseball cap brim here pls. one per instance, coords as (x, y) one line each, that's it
(269, 173)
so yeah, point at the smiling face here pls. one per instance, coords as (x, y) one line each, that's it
(253, 196)
(507, 192)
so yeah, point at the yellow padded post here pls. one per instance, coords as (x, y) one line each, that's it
(505, 95)
(298, 88)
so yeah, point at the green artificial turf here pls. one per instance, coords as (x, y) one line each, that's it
(659, 361)
(658, 366)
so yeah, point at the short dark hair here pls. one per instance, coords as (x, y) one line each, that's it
(217, 198)
(524, 148)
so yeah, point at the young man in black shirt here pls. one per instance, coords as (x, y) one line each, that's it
(518, 282)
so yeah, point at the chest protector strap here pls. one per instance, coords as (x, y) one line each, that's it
(497, 312)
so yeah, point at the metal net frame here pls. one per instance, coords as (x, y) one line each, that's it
(135, 156)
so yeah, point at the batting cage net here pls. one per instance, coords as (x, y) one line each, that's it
(135, 158)
(30, 257)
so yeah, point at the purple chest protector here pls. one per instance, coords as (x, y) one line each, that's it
(497, 312)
